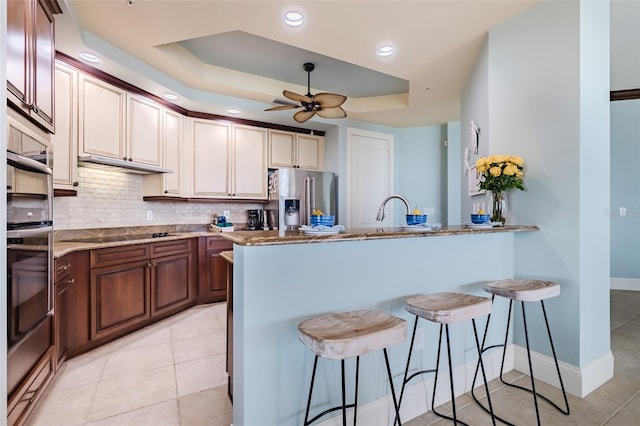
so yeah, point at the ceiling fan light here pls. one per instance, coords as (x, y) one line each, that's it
(386, 50)
(293, 18)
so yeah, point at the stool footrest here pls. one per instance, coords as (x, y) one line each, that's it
(327, 411)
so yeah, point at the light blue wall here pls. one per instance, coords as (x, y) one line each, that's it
(453, 174)
(625, 188)
(545, 77)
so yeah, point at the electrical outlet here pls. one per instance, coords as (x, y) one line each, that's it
(418, 341)
(226, 214)
(429, 211)
(149, 214)
(623, 211)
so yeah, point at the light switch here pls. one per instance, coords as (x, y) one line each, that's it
(623, 211)
(149, 214)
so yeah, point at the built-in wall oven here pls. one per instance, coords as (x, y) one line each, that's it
(29, 251)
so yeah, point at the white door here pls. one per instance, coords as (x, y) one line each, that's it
(369, 178)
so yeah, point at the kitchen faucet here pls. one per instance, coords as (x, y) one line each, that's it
(380, 216)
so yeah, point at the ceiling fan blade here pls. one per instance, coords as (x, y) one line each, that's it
(329, 100)
(336, 112)
(302, 116)
(296, 97)
(282, 107)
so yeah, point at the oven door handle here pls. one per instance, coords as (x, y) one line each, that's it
(30, 232)
(26, 163)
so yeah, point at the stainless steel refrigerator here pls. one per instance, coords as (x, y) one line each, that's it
(297, 193)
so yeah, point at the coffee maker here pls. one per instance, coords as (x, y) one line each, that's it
(255, 220)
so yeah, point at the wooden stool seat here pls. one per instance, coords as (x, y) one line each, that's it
(344, 335)
(448, 308)
(523, 290)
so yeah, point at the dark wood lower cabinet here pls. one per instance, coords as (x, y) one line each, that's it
(172, 277)
(212, 274)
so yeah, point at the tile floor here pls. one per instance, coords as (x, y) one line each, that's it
(173, 374)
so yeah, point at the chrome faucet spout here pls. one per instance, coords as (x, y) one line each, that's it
(380, 216)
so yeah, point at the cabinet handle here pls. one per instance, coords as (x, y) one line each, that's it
(75, 184)
(64, 267)
(71, 281)
(166, 192)
(9, 187)
(149, 265)
(124, 158)
(130, 159)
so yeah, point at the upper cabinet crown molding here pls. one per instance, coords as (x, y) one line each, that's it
(30, 59)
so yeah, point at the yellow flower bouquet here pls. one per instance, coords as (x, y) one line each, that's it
(501, 172)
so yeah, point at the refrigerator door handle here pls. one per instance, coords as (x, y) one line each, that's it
(307, 200)
(312, 202)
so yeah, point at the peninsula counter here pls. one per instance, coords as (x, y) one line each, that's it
(281, 279)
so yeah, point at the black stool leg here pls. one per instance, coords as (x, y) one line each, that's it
(555, 358)
(355, 402)
(533, 384)
(313, 376)
(453, 395)
(344, 400)
(393, 392)
(484, 376)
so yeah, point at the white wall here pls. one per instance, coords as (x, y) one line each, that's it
(108, 198)
(547, 91)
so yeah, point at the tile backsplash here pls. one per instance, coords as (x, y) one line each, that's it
(109, 198)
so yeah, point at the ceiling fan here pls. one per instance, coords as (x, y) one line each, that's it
(326, 105)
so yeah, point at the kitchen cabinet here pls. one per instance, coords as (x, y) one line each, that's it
(212, 276)
(295, 150)
(172, 276)
(101, 118)
(65, 140)
(169, 184)
(134, 283)
(229, 161)
(144, 131)
(71, 304)
(30, 59)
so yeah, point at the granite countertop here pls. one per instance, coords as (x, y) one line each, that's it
(265, 238)
(227, 255)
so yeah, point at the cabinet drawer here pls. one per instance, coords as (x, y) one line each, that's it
(118, 255)
(21, 404)
(218, 243)
(63, 268)
(167, 248)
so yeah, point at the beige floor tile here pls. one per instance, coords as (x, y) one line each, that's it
(147, 337)
(64, 406)
(210, 407)
(201, 374)
(77, 372)
(130, 392)
(195, 326)
(199, 346)
(162, 414)
(127, 360)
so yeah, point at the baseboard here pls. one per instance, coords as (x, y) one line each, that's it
(417, 395)
(632, 284)
(577, 381)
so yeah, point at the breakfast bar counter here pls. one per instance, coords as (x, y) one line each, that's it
(282, 279)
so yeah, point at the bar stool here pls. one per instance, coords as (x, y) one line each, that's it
(444, 309)
(524, 290)
(346, 335)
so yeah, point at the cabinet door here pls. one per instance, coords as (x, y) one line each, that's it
(144, 131)
(172, 153)
(17, 55)
(43, 65)
(211, 141)
(170, 283)
(281, 149)
(212, 276)
(249, 162)
(310, 152)
(65, 140)
(101, 118)
(119, 297)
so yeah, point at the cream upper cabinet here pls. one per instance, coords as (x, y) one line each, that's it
(169, 184)
(210, 159)
(101, 118)
(296, 150)
(144, 131)
(65, 140)
(228, 161)
(249, 162)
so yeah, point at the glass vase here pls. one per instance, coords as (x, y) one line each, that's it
(498, 205)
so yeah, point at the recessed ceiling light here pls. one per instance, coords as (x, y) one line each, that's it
(293, 18)
(170, 97)
(386, 50)
(233, 110)
(90, 57)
